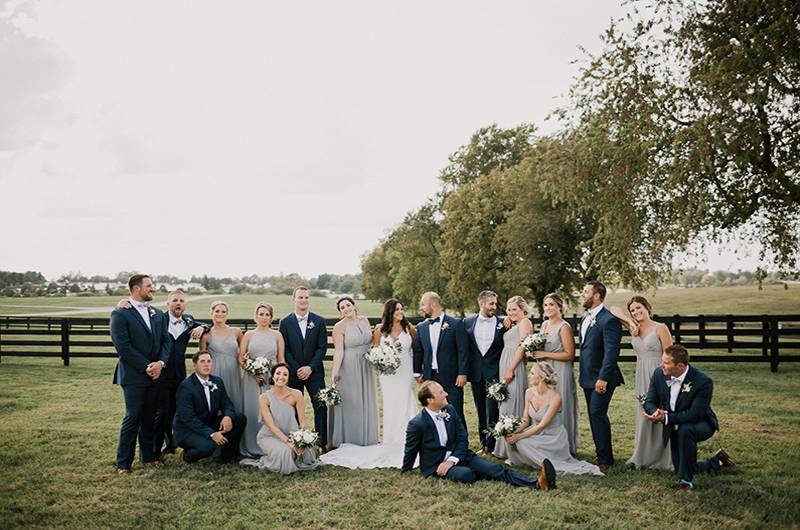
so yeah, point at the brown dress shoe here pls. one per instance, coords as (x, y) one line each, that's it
(603, 468)
(123, 472)
(724, 459)
(547, 476)
(684, 488)
(155, 464)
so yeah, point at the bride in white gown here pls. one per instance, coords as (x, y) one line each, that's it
(399, 403)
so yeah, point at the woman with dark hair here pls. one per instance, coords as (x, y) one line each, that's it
(650, 342)
(397, 389)
(282, 412)
(355, 421)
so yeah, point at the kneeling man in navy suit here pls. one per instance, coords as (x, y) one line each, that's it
(204, 416)
(438, 435)
(680, 397)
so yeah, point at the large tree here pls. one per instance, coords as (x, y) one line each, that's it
(687, 126)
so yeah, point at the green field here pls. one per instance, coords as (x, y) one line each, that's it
(60, 426)
(773, 299)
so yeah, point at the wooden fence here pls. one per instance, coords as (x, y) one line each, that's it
(745, 338)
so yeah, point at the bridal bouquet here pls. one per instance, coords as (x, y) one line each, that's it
(330, 396)
(497, 390)
(257, 366)
(303, 439)
(385, 357)
(534, 342)
(505, 425)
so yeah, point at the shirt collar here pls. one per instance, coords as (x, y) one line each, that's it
(482, 318)
(173, 318)
(201, 379)
(136, 303)
(593, 312)
(299, 318)
(683, 375)
(432, 414)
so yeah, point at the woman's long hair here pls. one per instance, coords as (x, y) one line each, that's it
(387, 320)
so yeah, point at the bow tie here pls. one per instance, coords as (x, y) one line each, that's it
(486, 319)
(302, 319)
(208, 384)
(442, 415)
(433, 320)
(141, 305)
(176, 322)
(673, 381)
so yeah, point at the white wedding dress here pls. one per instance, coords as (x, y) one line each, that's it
(399, 406)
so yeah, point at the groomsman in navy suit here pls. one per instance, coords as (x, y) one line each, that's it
(438, 436)
(143, 345)
(181, 326)
(679, 396)
(601, 335)
(441, 352)
(485, 339)
(306, 343)
(205, 419)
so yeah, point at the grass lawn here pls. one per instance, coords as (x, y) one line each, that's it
(59, 428)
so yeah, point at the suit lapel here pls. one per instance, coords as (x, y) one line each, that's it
(431, 424)
(470, 328)
(139, 318)
(686, 380)
(441, 334)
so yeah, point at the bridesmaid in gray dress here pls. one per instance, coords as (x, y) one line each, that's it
(280, 408)
(223, 343)
(355, 421)
(542, 434)
(559, 352)
(259, 342)
(512, 365)
(653, 337)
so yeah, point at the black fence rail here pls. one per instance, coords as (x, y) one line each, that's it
(745, 338)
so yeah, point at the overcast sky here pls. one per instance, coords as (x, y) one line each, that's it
(231, 138)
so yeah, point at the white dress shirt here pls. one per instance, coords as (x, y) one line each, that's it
(142, 308)
(176, 326)
(674, 392)
(302, 321)
(441, 428)
(207, 390)
(587, 319)
(484, 333)
(434, 329)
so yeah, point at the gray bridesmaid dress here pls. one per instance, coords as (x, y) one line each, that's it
(225, 354)
(355, 421)
(566, 387)
(551, 443)
(260, 345)
(648, 451)
(277, 456)
(515, 404)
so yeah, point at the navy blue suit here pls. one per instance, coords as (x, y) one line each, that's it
(171, 376)
(452, 356)
(137, 346)
(308, 351)
(598, 360)
(195, 421)
(690, 422)
(482, 370)
(422, 439)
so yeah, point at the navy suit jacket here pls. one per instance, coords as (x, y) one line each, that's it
(422, 438)
(600, 350)
(305, 352)
(175, 370)
(192, 415)
(452, 353)
(486, 367)
(693, 404)
(137, 346)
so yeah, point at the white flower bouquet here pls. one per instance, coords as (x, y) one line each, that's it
(329, 396)
(385, 357)
(534, 342)
(505, 425)
(303, 439)
(258, 366)
(497, 390)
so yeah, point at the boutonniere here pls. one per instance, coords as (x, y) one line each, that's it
(499, 326)
(151, 311)
(214, 387)
(592, 321)
(310, 325)
(445, 326)
(687, 387)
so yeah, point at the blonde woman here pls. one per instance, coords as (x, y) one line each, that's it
(559, 352)
(223, 343)
(512, 364)
(260, 342)
(542, 434)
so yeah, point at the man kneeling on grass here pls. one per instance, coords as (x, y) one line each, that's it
(204, 415)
